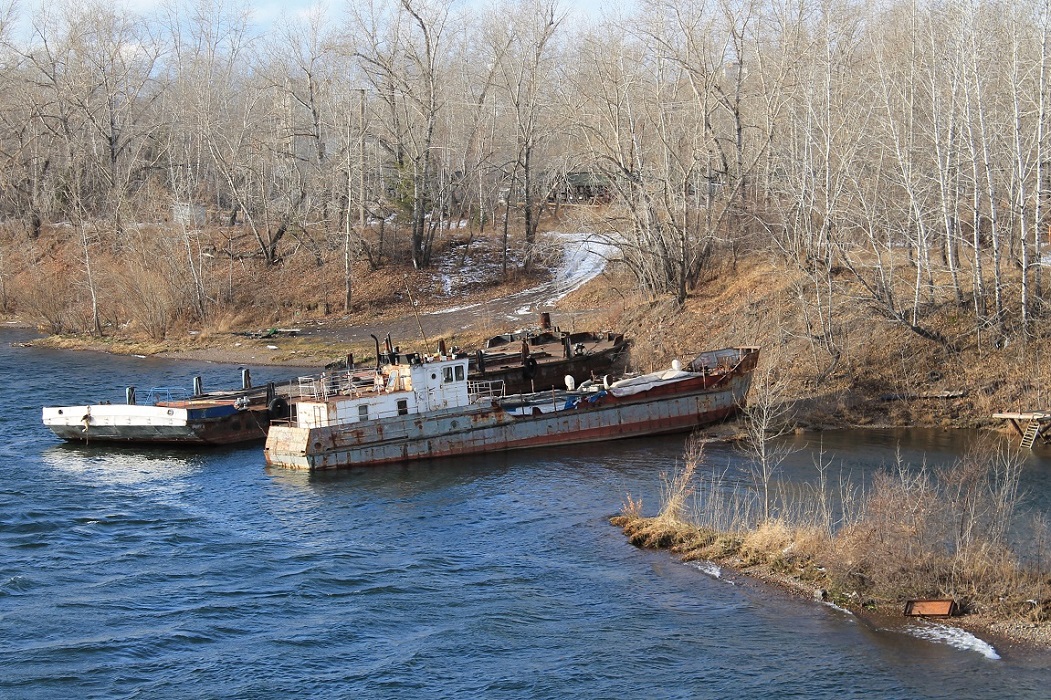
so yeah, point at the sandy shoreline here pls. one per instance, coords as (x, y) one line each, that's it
(232, 351)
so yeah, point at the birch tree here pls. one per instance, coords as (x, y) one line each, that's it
(527, 71)
(402, 53)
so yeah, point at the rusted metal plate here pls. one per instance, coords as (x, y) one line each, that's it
(931, 607)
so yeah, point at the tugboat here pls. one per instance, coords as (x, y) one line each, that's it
(422, 407)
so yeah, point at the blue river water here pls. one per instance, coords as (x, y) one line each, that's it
(156, 573)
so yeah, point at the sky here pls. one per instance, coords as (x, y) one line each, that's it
(267, 12)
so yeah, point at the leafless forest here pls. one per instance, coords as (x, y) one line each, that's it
(902, 146)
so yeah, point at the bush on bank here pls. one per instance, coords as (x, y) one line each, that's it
(913, 532)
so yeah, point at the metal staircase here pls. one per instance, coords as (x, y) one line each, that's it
(1032, 431)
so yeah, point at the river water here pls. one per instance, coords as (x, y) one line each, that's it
(158, 573)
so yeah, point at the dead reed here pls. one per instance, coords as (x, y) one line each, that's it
(913, 532)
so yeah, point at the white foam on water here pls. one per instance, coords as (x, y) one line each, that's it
(709, 568)
(838, 608)
(954, 637)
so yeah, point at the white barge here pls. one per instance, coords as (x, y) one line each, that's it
(168, 416)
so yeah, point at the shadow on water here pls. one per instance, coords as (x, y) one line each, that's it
(634, 457)
(858, 454)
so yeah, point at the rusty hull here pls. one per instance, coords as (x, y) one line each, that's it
(555, 355)
(490, 425)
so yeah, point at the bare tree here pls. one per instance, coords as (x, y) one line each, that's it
(766, 422)
(403, 50)
(527, 71)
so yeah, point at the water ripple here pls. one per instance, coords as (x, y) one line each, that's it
(157, 573)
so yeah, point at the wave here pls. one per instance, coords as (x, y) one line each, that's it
(709, 568)
(954, 637)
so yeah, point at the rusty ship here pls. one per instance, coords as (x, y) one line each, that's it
(539, 359)
(424, 407)
(533, 359)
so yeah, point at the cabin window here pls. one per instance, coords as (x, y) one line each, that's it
(459, 373)
(447, 375)
(363, 412)
(403, 407)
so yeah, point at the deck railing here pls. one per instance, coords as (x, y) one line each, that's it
(335, 383)
(485, 389)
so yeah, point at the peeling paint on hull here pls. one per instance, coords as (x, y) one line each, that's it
(493, 426)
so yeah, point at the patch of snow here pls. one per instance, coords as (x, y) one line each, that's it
(583, 257)
(954, 637)
(453, 308)
(584, 260)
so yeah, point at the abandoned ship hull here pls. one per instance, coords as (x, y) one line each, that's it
(547, 370)
(545, 375)
(512, 423)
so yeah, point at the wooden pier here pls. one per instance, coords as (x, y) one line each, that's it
(1030, 426)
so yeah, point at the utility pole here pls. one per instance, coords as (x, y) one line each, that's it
(361, 164)
(348, 258)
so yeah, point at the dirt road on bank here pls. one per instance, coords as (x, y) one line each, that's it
(583, 259)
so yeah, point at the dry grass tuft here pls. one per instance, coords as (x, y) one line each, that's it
(917, 533)
(768, 542)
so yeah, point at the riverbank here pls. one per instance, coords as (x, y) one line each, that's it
(868, 371)
(1000, 633)
(913, 533)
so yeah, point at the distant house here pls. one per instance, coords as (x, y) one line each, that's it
(581, 187)
(189, 214)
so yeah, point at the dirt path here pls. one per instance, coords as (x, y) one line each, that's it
(583, 259)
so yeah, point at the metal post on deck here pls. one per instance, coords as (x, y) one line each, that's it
(129, 395)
